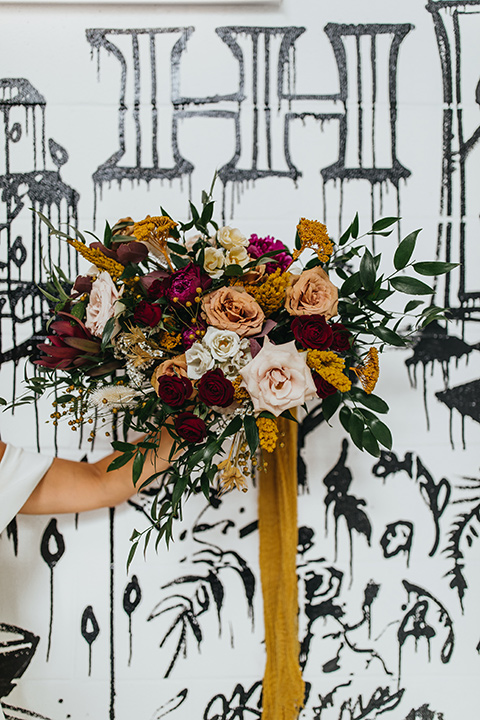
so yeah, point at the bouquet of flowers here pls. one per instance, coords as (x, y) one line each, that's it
(213, 335)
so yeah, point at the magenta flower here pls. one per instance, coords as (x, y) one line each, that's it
(260, 246)
(183, 284)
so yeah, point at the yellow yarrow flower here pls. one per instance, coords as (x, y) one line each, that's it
(330, 366)
(169, 340)
(97, 258)
(154, 231)
(368, 372)
(313, 234)
(271, 293)
(240, 392)
(268, 433)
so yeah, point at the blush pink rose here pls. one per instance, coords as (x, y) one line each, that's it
(101, 307)
(232, 308)
(278, 378)
(312, 293)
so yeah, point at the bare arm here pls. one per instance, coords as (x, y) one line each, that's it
(70, 486)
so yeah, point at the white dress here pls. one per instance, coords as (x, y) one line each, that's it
(20, 473)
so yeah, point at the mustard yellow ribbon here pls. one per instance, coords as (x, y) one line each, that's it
(283, 686)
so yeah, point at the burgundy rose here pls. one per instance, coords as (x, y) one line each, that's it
(312, 331)
(174, 390)
(190, 427)
(260, 246)
(182, 284)
(341, 338)
(215, 389)
(324, 388)
(147, 313)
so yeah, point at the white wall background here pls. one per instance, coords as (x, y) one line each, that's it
(389, 593)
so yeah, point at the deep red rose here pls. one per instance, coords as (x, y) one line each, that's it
(147, 313)
(174, 390)
(190, 427)
(312, 331)
(341, 338)
(215, 389)
(324, 388)
(183, 284)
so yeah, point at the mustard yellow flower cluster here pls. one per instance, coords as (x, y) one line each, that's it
(313, 234)
(268, 433)
(368, 372)
(330, 366)
(97, 258)
(154, 231)
(271, 293)
(169, 340)
(240, 392)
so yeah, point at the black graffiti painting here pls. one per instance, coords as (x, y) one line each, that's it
(27, 184)
(52, 549)
(260, 108)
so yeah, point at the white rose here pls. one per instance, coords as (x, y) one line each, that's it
(198, 360)
(230, 238)
(223, 344)
(101, 307)
(237, 256)
(213, 262)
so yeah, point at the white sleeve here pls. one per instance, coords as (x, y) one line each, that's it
(20, 473)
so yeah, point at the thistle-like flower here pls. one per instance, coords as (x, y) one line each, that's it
(71, 345)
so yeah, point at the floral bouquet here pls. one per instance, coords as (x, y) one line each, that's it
(213, 336)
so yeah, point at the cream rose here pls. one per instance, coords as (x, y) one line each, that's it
(230, 238)
(232, 308)
(213, 262)
(312, 293)
(278, 378)
(223, 344)
(237, 256)
(199, 360)
(101, 307)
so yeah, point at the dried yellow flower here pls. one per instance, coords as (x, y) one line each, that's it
(313, 234)
(231, 477)
(97, 258)
(268, 433)
(368, 372)
(154, 231)
(169, 340)
(240, 392)
(330, 366)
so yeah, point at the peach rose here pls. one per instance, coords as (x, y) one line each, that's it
(232, 308)
(312, 293)
(101, 306)
(174, 366)
(278, 378)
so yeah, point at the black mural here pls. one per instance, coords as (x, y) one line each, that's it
(260, 108)
(52, 549)
(90, 630)
(132, 598)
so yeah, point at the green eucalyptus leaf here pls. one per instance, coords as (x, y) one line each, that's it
(410, 286)
(412, 305)
(138, 464)
(251, 432)
(389, 336)
(120, 461)
(354, 227)
(351, 285)
(330, 405)
(433, 268)
(108, 332)
(405, 250)
(381, 432)
(233, 270)
(384, 223)
(367, 270)
(179, 488)
(372, 402)
(369, 443)
(233, 427)
(345, 415)
(356, 428)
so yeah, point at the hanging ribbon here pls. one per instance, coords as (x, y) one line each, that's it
(283, 686)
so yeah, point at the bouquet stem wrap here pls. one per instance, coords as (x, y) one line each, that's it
(283, 686)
